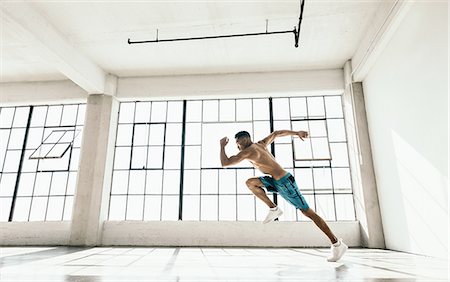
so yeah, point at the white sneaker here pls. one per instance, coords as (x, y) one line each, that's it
(337, 252)
(272, 215)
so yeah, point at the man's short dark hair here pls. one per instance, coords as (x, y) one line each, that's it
(242, 134)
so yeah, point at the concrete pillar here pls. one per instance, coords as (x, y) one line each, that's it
(360, 153)
(95, 170)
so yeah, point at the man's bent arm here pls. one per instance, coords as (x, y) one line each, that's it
(227, 161)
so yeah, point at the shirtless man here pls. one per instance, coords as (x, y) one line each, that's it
(279, 181)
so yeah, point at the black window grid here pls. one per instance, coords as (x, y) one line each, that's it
(70, 170)
(295, 165)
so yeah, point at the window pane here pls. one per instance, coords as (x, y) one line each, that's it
(345, 209)
(155, 157)
(126, 113)
(122, 158)
(227, 110)
(172, 158)
(68, 207)
(21, 117)
(261, 130)
(210, 110)
(5, 208)
(38, 208)
(298, 108)
(282, 125)
(227, 207)
(339, 154)
(191, 182)
(55, 208)
(283, 155)
(325, 207)
(81, 115)
(171, 182)
(71, 183)
(173, 134)
(140, 134)
(209, 207)
(54, 116)
(6, 117)
(193, 111)
(169, 208)
(154, 182)
(124, 135)
(320, 148)
(157, 134)
(7, 184)
(316, 107)
(302, 149)
(317, 128)
(117, 207)
(59, 183)
(69, 116)
(304, 179)
(191, 208)
(16, 138)
(227, 181)
(74, 159)
(244, 110)
(241, 177)
(26, 184)
(38, 117)
(137, 182)
(175, 111)
(152, 208)
(193, 133)
(139, 158)
(280, 108)
(34, 138)
(261, 109)
(135, 208)
(12, 160)
(333, 107)
(142, 112)
(42, 184)
(209, 182)
(341, 179)
(119, 182)
(336, 130)
(322, 179)
(246, 207)
(159, 111)
(192, 157)
(22, 209)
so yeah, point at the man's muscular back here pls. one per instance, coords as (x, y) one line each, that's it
(263, 160)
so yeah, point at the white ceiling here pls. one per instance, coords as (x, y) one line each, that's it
(330, 34)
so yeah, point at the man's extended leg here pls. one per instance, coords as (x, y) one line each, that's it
(321, 224)
(338, 248)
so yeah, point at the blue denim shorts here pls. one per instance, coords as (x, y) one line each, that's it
(287, 188)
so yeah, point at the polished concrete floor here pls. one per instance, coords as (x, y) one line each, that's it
(213, 264)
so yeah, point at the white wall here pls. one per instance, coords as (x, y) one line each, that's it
(406, 94)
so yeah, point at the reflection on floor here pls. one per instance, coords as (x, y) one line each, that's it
(213, 264)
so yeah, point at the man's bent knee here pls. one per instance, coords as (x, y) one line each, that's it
(253, 182)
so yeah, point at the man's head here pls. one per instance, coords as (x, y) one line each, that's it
(243, 140)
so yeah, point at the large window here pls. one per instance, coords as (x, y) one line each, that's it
(39, 151)
(167, 164)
